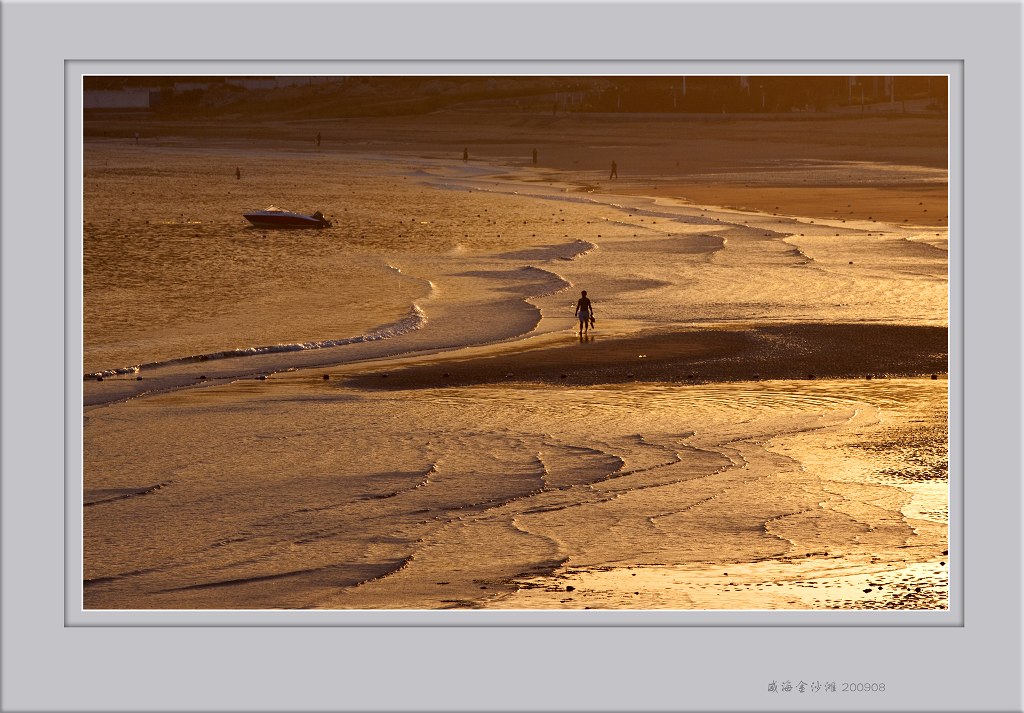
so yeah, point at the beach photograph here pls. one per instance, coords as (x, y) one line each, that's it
(430, 342)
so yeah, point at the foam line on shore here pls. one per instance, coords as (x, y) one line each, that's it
(562, 251)
(513, 187)
(113, 495)
(415, 320)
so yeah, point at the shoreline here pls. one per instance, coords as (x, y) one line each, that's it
(918, 206)
(814, 584)
(778, 164)
(715, 354)
(798, 351)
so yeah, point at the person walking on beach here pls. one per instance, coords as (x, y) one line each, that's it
(615, 171)
(238, 174)
(465, 155)
(318, 139)
(535, 157)
(585, 312)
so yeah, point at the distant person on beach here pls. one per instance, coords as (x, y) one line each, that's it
(585, 312)
(535, 157)
(465, 155)
(238, 174)
(615, 171)
(136, 138)
(318, 139)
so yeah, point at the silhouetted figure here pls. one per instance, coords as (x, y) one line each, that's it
(585, 312)
(238, 174)
(318, 139)
(136, 138)
(615, 171)
(465, 155)
(535, 157)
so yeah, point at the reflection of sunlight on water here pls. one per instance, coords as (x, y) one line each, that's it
(773, 585)
(703, 400)
(825, 572)
(930, 501)
(455, 493)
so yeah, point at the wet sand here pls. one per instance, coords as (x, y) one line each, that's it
(922, 205)
(887, 167)
(774, 585)
(796, 351)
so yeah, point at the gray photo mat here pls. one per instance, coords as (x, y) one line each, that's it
(966, 659)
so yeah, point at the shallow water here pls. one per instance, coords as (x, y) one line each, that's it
(172, 270)
(301, 493)
(297, 492)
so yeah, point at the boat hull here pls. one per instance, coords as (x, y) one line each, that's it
(283, 219)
